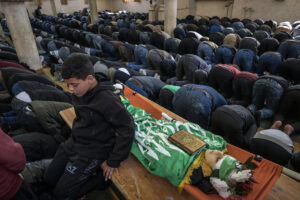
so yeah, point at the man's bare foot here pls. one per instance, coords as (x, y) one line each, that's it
(276, 125)
(288, 129)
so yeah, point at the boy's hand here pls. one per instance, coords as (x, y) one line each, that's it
(108, 172)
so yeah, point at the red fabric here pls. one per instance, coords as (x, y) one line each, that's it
(266, 174)
(234, 70)
(11, 64)
(12, 162)
(251, 76)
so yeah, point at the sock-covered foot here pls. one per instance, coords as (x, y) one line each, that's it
(288, 129)
(276, 125)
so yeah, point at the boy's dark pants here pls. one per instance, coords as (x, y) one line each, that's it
(72, 175)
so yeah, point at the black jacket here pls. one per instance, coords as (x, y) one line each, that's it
(103, 129)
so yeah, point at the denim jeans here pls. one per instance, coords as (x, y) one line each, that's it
(179, 33)
(140, 53)
(16, 89)
(193, 105)
(96, 41)
(64, 53)
(196, 102)
(155, 57)
(265, 97)
(150, 85)
(237, 25)
(289, 49)
(223, 55)
(122, 24)
(171, 46)
(4, 25)
(144, 38)
(206, 52)
(136, 88)
(51, 46)
(296, 32)
(94, 52)
(9, 117)
(268, 61)
(246, 59)
(52, 28)
(109, 49)
(188, 64)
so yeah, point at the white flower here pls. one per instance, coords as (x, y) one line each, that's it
(240, 176)
(221, 187)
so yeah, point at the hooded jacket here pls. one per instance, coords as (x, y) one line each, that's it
(47, 113)
(103, 129)
(12, 159)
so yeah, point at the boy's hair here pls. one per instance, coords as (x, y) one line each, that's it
(78, 66)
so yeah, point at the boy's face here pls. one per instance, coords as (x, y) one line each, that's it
(80, 87)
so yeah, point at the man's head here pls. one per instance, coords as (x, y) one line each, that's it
(78, 72)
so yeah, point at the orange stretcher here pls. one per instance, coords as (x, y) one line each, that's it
(135, 182)
(266, 174)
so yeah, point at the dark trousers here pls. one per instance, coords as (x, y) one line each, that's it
(165, 98)
(241, 91)
(73, 175)
(270, 151)
(25, 193)
(193, 105)
(37, 146)
(266, 95)
(235, 123)
(289, 109)
(221, 80)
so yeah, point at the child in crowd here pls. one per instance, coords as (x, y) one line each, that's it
(103, 130)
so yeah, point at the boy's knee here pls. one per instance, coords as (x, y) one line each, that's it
(60, 192)
(48, 179)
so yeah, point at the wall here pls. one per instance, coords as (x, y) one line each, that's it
(211, 8)
(73, 5)
(183, 8)
(287, 10)
(104, 5)
(142, 7)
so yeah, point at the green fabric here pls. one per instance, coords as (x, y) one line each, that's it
(47, 112)
(229, 163)
(152, 148)
(172, 88)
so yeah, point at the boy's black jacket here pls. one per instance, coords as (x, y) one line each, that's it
(103, 129)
